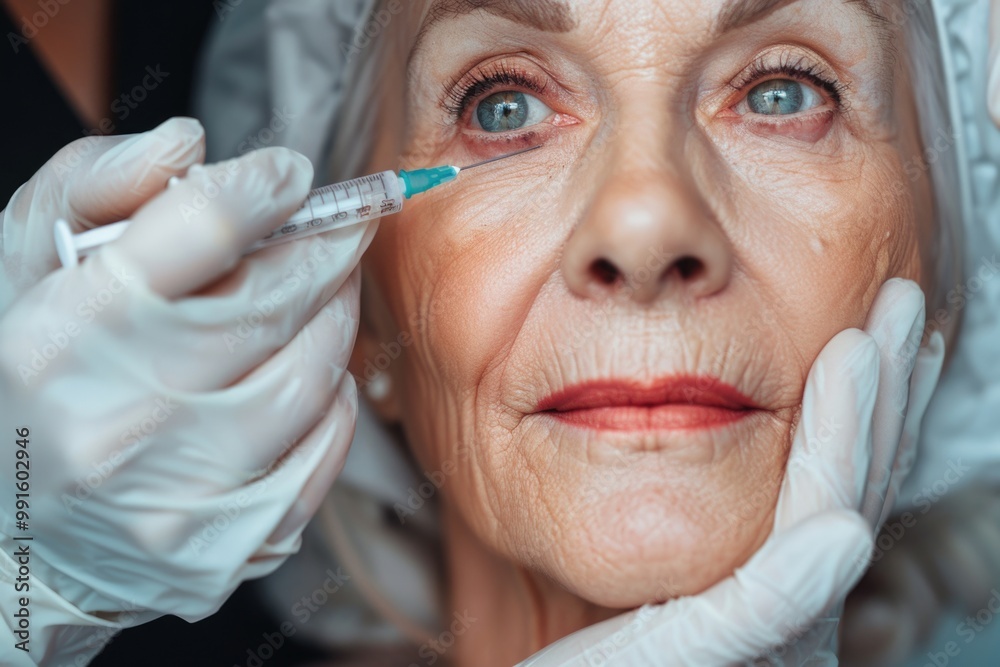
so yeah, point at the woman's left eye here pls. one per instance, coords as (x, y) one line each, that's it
(509, 111)
(780, 97)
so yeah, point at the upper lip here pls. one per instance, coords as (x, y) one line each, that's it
(678, 390)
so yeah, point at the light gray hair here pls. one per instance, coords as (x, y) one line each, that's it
(934, 93)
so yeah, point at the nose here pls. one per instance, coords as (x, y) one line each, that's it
(645, 236)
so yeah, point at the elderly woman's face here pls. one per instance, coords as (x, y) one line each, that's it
(604, 341)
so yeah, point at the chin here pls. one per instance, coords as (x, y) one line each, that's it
(637, 550)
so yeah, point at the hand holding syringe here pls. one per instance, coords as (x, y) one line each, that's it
(327, 208)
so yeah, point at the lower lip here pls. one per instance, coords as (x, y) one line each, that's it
(667, 417)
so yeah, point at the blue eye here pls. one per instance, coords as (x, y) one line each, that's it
(781, 97)
(510, 110)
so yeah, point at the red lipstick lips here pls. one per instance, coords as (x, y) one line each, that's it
(679, 402)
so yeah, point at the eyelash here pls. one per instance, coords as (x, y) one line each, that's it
(458, 99)
(800, 69)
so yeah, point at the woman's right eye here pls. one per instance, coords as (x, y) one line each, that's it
(509, 111)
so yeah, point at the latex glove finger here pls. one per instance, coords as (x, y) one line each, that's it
(308, 370)
(257, 309)
(831, 450)
(91, 182)
(339, 425)
(196, 232)
(318, 486)
(896, 322)
(923, 383)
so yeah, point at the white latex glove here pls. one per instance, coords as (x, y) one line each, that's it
(861, 411)
(187, 409)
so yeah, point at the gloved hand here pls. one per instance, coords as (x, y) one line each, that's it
(861, 411)
(183, 409)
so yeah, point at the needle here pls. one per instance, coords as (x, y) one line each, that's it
(502, 157)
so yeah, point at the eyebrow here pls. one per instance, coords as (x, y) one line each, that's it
(739, 13)
(544, 15)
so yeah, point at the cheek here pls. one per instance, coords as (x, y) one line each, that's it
(482, 261)
(819, 237)
(460, 273)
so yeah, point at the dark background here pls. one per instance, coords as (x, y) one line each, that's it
(147, 33)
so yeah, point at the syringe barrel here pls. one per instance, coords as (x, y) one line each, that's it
(327, 208)
(340, 205)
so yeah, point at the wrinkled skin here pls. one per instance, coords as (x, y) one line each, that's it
(663, 228)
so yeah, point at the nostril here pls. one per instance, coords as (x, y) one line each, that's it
(689, 267)
(605, 272)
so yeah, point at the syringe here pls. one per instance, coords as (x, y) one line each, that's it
(327, 208)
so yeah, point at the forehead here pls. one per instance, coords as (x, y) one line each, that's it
(561, 16)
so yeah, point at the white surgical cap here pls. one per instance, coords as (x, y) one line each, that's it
(962, 425)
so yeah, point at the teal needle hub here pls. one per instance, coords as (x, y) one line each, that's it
(421, 180)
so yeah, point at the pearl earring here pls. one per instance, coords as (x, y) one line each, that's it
(379, 387)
